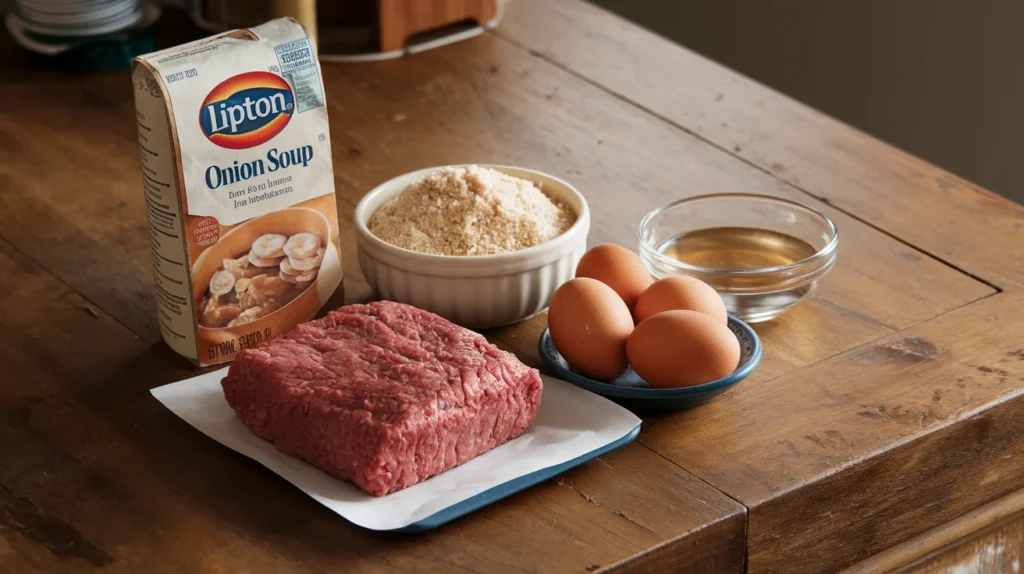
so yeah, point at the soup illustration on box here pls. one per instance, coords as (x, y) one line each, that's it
(237, 172)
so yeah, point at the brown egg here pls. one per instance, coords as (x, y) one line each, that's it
(681, 349)
(618, 268)
(679, 292)
(589, 325)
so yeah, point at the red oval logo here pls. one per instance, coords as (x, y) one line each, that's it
(246, 110)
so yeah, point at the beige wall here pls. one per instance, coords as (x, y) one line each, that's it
(943, 79)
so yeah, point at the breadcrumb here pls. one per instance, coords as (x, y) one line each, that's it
(470, 211)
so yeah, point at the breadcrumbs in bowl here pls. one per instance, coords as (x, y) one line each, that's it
(505, 276)
(470, 210)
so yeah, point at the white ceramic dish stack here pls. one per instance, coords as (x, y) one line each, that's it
(475, 291)
(77, 17)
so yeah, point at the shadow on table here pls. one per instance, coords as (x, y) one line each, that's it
(248, 498)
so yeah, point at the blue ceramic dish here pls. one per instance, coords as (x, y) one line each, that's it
(631, 391)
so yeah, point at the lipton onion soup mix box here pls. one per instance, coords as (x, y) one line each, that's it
(236, 166)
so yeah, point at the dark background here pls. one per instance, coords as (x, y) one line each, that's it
(942, 79)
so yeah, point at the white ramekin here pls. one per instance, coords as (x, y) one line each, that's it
(477, 291)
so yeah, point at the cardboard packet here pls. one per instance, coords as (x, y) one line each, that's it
(237, 172)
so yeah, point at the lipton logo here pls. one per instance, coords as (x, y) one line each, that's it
(246, 110)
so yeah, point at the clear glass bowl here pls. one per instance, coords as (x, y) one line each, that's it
(752, 294)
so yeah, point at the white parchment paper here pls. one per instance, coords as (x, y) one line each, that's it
(571, 422)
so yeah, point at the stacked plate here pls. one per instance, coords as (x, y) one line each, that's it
(77, 17)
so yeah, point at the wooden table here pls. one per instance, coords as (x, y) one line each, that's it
(883, 430)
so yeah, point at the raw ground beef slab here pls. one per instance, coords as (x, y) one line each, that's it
(384, 395)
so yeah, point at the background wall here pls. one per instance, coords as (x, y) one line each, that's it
(942, 79)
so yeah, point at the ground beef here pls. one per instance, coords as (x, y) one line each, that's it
(384, 395)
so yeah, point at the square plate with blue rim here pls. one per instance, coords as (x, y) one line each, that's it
(571, 427)
(632, 391)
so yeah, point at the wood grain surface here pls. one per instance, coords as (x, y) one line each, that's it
(944, 544)
(449, 106)
(885, 404)
(929, 208)
(851, 455)
(998, 549)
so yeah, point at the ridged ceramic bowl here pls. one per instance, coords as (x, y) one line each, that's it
(476, 291)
